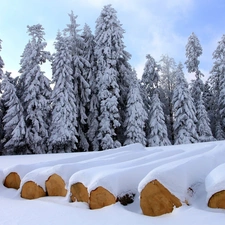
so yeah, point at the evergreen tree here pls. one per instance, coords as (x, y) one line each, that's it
(149, 82)
(158, 135)
(63, 128)
(167, 85)
(193, 51)
(184, 111)
(1, 62)
(135, 114)
(217, 81)
(93, 106)
(109, 49)
(34, 91)
(203, 123)
(82, 89)
(1, 107)
(13, 120)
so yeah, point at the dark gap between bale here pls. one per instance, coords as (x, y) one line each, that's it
(12, 180)
(100, 197)
(217, 200)
(79, 193)
(156, 200)
(31, 190)
(55, 186)
(126, 199)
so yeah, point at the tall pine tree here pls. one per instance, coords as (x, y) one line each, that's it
(158, 135)
(184, 111)
(1, 106)
(34, 91)
(93, 105)
(109, 49)
(217, 81)
(135, 114)
(82, 89)
(167, 84)
(13, 120)
(63, 128)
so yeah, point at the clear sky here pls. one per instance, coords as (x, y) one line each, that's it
(152, 27)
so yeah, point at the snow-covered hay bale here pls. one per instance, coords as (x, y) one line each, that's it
(79, 193)
(181, 176)
(215, 187)
(100, 197)
(156, 200)
(55, 186)
(12, 180)
(217, 200)
(31, 190)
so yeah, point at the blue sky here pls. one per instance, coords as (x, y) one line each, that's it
(152, 27)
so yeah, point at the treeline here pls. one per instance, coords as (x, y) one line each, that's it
(96, 101)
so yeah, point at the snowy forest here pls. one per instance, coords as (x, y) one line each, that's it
(95, 101)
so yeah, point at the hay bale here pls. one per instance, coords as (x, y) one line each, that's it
(79, 193)
(55, 186)
(31, 190)
(12, 180)
(156, 200)
(217, 200)
(101, 197)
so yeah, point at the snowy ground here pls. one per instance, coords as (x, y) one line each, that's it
(200, 165)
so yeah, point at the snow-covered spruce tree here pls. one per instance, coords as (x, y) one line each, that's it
(93, 105)
(203, 123)
(34, 91)
(63, 127)
(149, 81)
(109, 50)
(135, 114)
(184, 111)
(193, 51)
(81, 87)
(217, 80)
(167, 85)
(158, 135)
(1, 62)
(13, 120)
(1, 107)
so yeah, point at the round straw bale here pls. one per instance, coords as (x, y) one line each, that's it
(156, 200)
(217, 200)
(55, 186)
(79, 193)
(101, 197)
(31, 190)
(12, 180)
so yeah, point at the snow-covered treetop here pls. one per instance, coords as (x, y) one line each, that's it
(193, 51)
(37, 44)
(150, 77)
(219, 53)
(109, 34)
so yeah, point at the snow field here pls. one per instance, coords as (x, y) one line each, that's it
(128, 169)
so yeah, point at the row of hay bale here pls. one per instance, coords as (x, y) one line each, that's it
(161, 189)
